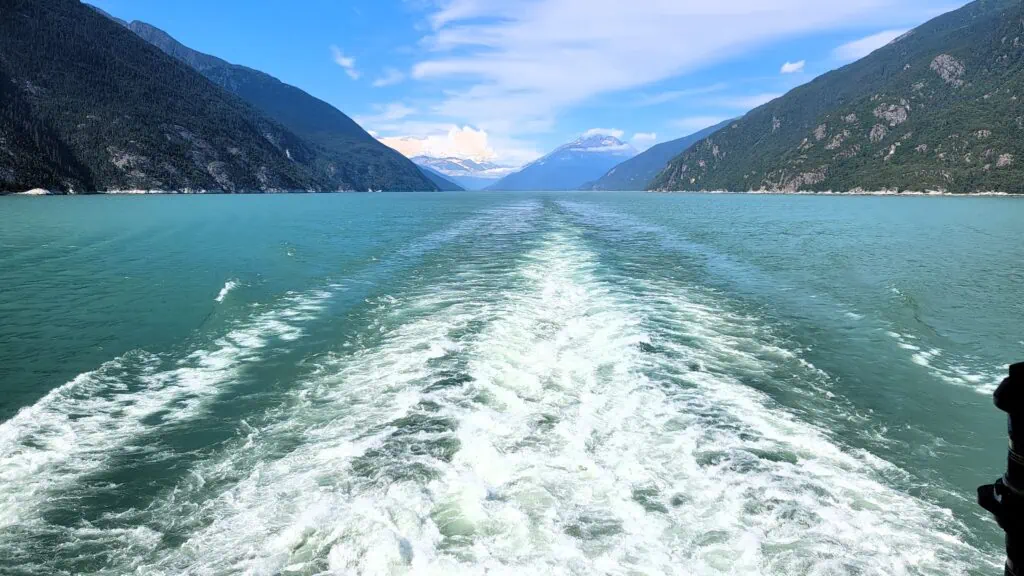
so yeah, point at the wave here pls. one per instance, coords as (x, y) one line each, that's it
(77, 428)
(543, 419)
(225, 290)
(55, 448)
(963, 372)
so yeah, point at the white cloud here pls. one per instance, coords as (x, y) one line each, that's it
(459, 142)
(526, 61)
(643, 140)
(692, 124)
(384, 114)
(793, 67)
(860, 48)
(613, 132)
(346, 62)
(671, 95)
(744, 102)
(390, 77)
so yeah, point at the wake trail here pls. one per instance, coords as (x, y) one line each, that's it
(540, 418)
(51, 449)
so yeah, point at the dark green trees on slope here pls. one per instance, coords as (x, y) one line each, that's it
(87, 105)
(124, 114)
(938, 109)
(638, 172)
(357, 156)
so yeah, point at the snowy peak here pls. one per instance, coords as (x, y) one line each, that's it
(458, 166)
(470, 174)
(598, 143)
(572, 165)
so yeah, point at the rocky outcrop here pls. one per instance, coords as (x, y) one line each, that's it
(936, 109)
(949, 69)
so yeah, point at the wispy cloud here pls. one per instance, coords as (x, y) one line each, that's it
(643, 140)
(672, 95)
(748, 102)
(385, 114)
(860, 48)
(390, 77)
(793, 67)
(692, 124)
(526, 61)
(613, 132)
(346, 62)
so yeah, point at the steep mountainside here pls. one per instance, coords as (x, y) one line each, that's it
(938, 109)
(570, 166)
(469, 174)
(443, 184)
(355, 156)
(87, 106)
(638, 172)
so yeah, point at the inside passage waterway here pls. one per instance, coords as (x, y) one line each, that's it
(541, 383)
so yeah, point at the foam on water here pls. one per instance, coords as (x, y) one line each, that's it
(557, 426)
(78, 427)
(956, 371)
(225, 290)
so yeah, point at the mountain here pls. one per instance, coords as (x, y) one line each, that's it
(638, 172)
(87, 105)
(937, 109)
(443, 184)
(469, 174)
(355, 156)
(570, 166)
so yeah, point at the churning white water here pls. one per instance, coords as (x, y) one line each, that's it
(542, 414)
(550, 429)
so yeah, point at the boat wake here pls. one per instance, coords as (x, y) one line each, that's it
(228, 287)
(531, 414)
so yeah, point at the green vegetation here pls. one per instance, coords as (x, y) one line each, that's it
(350, 155)
(637, 172)
(938, 109)
(89, 106)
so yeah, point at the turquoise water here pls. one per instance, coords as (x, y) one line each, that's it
(568, 383)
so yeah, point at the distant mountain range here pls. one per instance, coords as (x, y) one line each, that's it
(442, 182)
(469, 174)
(940, 108)
(92, 103)
(570, 166)
(638, 172)
(87, 105)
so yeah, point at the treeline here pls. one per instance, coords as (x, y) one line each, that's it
(88, 105)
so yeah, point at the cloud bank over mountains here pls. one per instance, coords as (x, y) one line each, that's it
(512, 68)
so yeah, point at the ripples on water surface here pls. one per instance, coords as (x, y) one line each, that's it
(487, 384)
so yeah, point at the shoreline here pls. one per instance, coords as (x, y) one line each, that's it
(41, 192)
(851, 193)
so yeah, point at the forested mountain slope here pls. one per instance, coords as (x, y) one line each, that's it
(638, 172)
(938, 109)
(355, 157)
(89, 106)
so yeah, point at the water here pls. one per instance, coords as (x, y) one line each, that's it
(561, 383)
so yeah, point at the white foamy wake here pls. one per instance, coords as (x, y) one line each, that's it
(556, 427)
(78, 427)
(225, 290)
(949, 369)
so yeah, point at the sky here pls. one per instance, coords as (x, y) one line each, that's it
(506, 81)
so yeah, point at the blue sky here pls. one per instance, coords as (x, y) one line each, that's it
(508, 80)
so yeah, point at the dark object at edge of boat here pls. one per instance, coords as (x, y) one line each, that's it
(1005, 498)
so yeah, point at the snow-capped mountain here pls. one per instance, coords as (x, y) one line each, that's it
(570, 166)
(469, 174)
